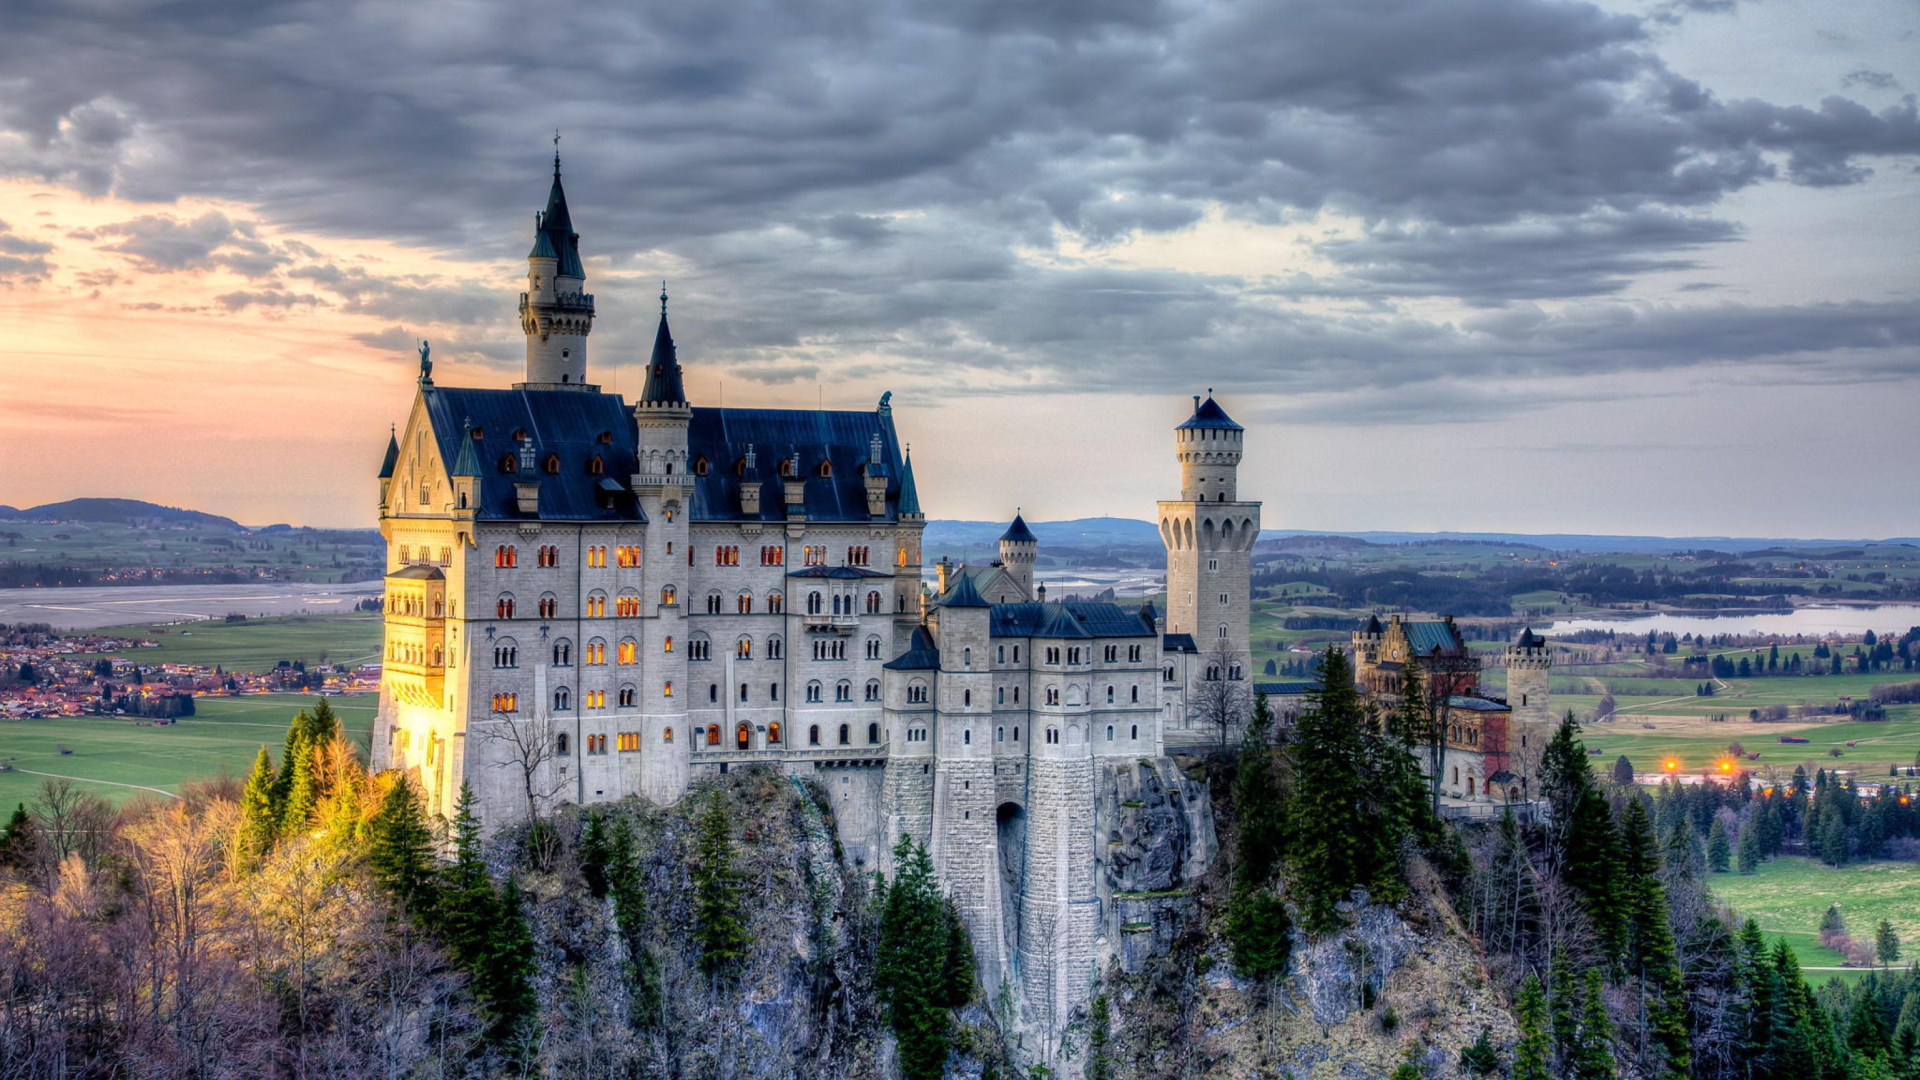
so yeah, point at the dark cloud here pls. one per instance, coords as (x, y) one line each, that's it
(21, 259)
(161, 244)
(890, 181)
(1872, 80)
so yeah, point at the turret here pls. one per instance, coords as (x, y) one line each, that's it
(1529, 665)
(386, 465)
(1208, 445)
(556, 313)
(1018, 549)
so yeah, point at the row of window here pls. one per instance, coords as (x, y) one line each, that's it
(512, 463)
(507, 556)
(629, 741)
(426, 555)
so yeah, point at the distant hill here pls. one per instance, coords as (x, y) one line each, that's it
(1078, 533)
(120, 512)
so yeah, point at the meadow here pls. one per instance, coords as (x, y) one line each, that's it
(1788, 895)
(118, 758)
(260, 644)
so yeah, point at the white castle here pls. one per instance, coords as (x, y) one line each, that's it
(589, 599)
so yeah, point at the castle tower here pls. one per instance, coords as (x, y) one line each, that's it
(1529, 663)
(1018, 547)
(1209, 535)
(964, 793)
(664, 489)
(556, 312)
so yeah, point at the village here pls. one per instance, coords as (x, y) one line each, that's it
(45, 673)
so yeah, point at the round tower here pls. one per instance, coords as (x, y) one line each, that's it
(556, 311)
(1018, 549)
(1208, 445)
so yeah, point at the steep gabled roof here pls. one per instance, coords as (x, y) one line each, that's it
(1425, 638)
(1530, 640)
(1018, 533)
(921, 654)
(567, 425)
(909, 495)
(555, 238)
(468, 463)
(393, 456)
(962, 593)
(664, 386)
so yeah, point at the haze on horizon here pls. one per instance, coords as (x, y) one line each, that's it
(1483, 265)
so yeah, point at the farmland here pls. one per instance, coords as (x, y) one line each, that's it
(118, 757)
(1789, 894)
(259, 644)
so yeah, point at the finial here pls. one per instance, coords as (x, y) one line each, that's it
(663, 296)
(556, 153)
(1209, 391)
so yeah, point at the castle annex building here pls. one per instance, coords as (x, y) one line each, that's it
(589, 598)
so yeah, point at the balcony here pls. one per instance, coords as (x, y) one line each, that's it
(839, 624)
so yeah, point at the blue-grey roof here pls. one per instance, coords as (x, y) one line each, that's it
(393, 456)
(837, 572)
(1209, 414)
(418, 572)
(567, 424)
(1425, 637)
(1478, 704)
(555, 239)
(1178, 643)
(1530, 640)
(1285, 689)
(1371, 625)
(962, 593)
(1018, 533)
(909, 495)
(921, 654)
(1070, 620)
(664, 385)
(841, 439)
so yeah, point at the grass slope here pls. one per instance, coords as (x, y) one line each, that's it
(260, 644)
(113, 753)
(1788, 895)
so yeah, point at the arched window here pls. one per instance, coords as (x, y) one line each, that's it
(562, 745)
(1134, 732)
(595, 466)
(628, 651)
(743, 648)
(873, 603)
(553, 465)
(549, 606)
(742, 737)
(745, 603)
(503, 607)
(667, 735)
(966, 697)
(873, 689)
(1109, 695)
(873, 734)
(1135, 692)
(626, 697)
(563, 653)
(562, 700)
(666, 688)
(713, 693)
(826, 467)
(508, 463)
(1016, 733)
(773, 732)
(774, 647)
(743, 691)
(966, 657)
(596, 605)
(813, 691)
(700, 466)
(966, 737)
(846, 734)
(667, 595)
(1000, 696)
(813, 734)
(1109, 732)
(843, 691)
(713, 734)
(813, 603)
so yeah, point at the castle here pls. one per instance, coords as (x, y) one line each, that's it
(1493, 744)
(589, 599)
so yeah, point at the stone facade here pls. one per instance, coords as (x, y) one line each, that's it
(590, 599)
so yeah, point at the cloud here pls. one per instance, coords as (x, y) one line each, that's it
(884, 186)
(161, 244)
(1872, 80)
(238, 301)
(22, 260)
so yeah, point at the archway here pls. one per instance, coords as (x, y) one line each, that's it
(1011, 836)
(742, 737)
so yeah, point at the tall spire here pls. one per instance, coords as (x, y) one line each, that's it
(664, 385)
(556, 311)
(393, 454)
(909, 494)
(468, 463)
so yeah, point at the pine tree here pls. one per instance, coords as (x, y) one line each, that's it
(302, 793)
(1747, 859)
(17, 841)
(400, 847)
(258, 824)
(625, 887)
(1623, 771)
(467, 904)
(1582, 840)
(1258, 929)
(593, 854)
(1652, 955)
(503, 976)
(1533, 1054)
(1886, 943)
(718, 929)
(1592, 1054)
(1479, 1058)
(1100, 1023)
(912, 964)
(1719, 851)
(1338, 846)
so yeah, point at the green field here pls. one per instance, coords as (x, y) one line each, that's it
(325, 555)
(1789, 894)
(118, 758)
(260, 644)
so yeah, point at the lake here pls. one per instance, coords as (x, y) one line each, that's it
(94, 607)
(1887, 618)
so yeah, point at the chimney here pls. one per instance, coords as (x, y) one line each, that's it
(943, 567)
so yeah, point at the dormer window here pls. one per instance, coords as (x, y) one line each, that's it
(519, 434)
(553, 464)
(606, 438)
(509, 463)
(478, 433)
(826, 467)
(595, 466)
(700, 466)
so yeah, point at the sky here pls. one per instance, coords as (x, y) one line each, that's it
(1500, 265)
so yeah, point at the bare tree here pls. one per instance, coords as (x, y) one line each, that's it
(1218, 698)
(1446, 676)
(526, 744)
